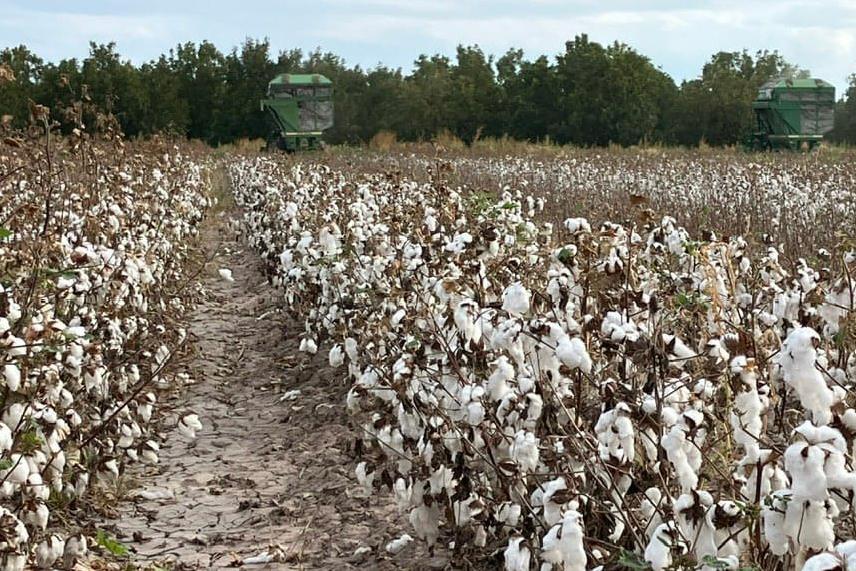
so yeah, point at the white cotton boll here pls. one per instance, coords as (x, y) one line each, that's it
(658, 553)
(16, 347)
(805, 464)
(533, 411)
(516, 557)
(524, 451)
(75, 548)
(674, 443)
(48, 551)
(681, 353)
(426, 522)
(397, 545)
(773, 515)
(351, 348)
(226, 274)
(336, 356)
(497, 384)
(397, 318)
(516, 299)
(573, 354)
(574, 225)
(651, 503)
(6, 439)
(466, 320)
(475, 413)
(825, 562)
(18, 471)
(14, 561)
(746, 414)
(846, 549)
(810, 524)
(797, 359)
(12, 376)
(509, 514)
(553, 506)
(189, 425)
(403, 492)
(308, 345)
(563, 543)
(365, 477)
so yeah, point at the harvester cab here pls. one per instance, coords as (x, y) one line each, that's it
(792, 114)
(300, 107)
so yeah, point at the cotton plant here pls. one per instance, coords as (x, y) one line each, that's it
(73, 356)
(553, 392)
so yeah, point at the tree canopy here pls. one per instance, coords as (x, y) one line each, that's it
(589, 94)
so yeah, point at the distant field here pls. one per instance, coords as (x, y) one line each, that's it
(803, 201)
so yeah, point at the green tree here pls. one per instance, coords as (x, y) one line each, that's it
(14, 95)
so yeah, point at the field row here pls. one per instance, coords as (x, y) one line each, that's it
(95, 239)
(570, 395)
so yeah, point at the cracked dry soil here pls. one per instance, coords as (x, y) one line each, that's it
(262, 472)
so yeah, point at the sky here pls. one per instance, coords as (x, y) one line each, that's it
(679, 36)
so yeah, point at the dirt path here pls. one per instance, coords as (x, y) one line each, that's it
(261, 473)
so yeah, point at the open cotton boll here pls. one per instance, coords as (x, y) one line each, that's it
(516, 556)
(524, 451)
(189, 424)
(825, 562)
(397, 545)
(308, 345)
(226, 274)
(658, 553)
(563, 543)
(12, 376)
(365, 476)
(797, 359)
(574, 225)
(515, 299)
(573, 354)
(681, 354)
(336, 357)
(426, 522)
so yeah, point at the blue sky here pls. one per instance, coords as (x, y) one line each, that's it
(678, 35)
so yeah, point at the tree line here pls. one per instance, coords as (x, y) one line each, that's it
(590, 94)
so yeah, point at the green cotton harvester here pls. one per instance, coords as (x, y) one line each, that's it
(300, 107)
(792, 114)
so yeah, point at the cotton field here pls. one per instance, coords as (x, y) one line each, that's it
(578, 361)
(537, 387)
(800, 201)
(94, 242)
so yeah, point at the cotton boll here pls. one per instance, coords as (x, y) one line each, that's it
(497, 384)
(515, 299)
(6, 439)
(308, 345)
(658, 553)
(336, 356)
(75, 547)
(516, 556)
(797, 360)
(426, 522)
(365, 476)
(397, 545)
(48, 551)
(563, 543)
(825, 562)
(12, 377)
(524, 451)
(573, 354)
(189, 425)
(18, 471)
(675, 445)
(14, 561)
